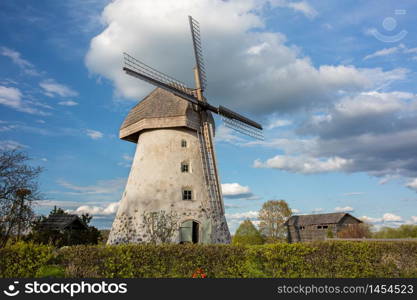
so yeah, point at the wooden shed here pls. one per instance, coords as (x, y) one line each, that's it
(306, 228)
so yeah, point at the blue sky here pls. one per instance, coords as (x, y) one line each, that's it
(332, 82)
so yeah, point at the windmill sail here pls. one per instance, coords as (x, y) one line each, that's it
(198, 53)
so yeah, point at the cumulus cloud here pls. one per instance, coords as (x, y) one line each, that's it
(237, 191)
(344, 209)
(244, 65)
(373, 132)
(304, 164)
(94, 134)
(389, 218)
(110, 209)
(52, 88)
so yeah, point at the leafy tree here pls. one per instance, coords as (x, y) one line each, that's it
(18, 191)
(247, 234)
(272, 216)
(66, 237)
(160, 226)
(404, 231)
(355, 231)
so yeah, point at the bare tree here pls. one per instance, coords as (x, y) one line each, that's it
(160, 226)
(272, 216)
(18, 191)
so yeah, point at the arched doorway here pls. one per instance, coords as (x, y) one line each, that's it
(189, 232)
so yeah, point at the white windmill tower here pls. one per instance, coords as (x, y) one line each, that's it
(174, 168)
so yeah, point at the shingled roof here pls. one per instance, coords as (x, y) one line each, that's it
(61, 222)
(160, 109)
(158, 104)
(330, 218)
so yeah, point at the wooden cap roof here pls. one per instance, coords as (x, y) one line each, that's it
(330, 218)
(160, 109)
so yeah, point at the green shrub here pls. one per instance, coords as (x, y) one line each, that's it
(329, 259)
(24, 259)
(50, 271)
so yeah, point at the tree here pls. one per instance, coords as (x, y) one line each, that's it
(66, 237)
(404, 231)
(18, 191)
(160, 226)
(272, 216)
(247, 234)
(355, 231)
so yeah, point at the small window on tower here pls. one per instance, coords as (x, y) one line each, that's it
(185, 167)
(183, 143)
(187, 195)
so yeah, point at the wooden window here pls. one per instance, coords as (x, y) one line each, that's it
(183, 143)
(325, 226)
(187, 195)
(185, 168)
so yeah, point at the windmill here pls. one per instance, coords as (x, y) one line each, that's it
(174, 116)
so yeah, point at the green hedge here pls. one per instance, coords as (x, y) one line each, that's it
(320, 259)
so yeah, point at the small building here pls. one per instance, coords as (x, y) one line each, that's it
(63, 222)
(307, 228)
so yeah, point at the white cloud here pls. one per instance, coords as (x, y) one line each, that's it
(225, 134)
(344, 209)
(384, 52)
(353, 194)
(112, 186)
(16, 58)
(94, 134)
(295, 211)
(233, 189)
(317, 210)
(52, 88)
(127, 161)
(11, 145)
(370, 219)
(237, 191)
(304, 8)
(110, 209)
(279, 123)
(389, 217)
(12, 97)
(413, 220)
(304, 164)
(68, 103)
(412, 184)
(243, 215)
(244, 65)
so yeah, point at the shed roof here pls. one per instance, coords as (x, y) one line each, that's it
(330, 218)
(61, 221)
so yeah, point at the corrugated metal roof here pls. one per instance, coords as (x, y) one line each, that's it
(330, 218)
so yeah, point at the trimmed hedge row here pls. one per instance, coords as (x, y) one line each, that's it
(319, 259)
